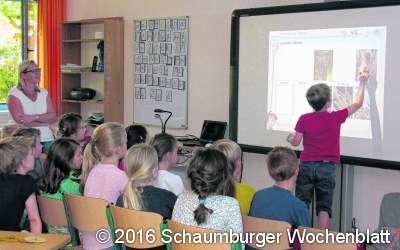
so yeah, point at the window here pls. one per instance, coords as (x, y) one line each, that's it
(18, 40)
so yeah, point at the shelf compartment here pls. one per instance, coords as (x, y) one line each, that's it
(92, 40)
(83, 101)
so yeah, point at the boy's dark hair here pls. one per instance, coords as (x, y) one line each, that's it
(209, 175)
(318, 95)
(69, 124)
(136, 134)
(163, 143)
(58, 163)
(281, 162)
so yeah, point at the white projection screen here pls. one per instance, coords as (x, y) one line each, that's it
(277, 53)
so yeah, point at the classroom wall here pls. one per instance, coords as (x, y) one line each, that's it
(208, 96)
(209, 45)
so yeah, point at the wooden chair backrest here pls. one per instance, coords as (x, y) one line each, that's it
(323, 246)
(86, 213)
(265, 226)
(178, 228)
(52, 211)
(134, 220)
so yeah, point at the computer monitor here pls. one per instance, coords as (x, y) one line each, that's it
(212, 130)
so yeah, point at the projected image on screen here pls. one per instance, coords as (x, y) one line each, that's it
(301, 58)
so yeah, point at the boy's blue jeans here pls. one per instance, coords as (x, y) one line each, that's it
(318, 176)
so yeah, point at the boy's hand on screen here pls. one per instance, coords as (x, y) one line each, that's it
(363, 75)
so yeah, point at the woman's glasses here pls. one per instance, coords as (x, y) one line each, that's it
(38, 70)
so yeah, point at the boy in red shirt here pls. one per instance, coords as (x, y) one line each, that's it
(320, 133)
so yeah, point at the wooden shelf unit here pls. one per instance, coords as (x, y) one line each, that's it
(110, 83)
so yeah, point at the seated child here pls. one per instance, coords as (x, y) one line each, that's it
(278, 201)
(389, 219)
(17, 191)
(141, 167)
(244, 193)
(136, 134)
(101, 177)
(62, 165)
(210, 203)
(71, 125)
(167, 149)
(37, 173)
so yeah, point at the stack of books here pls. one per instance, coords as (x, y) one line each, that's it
(75, 68)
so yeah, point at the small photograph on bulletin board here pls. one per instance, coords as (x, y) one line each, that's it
(161, 70)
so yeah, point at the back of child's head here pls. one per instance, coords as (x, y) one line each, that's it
(231, 150)
(13, 150)
(136, 134)
(141, 163)
(58, 163)
(209, 175)
(8, 130)
(318, 95)
(27, 132)
(69, 124)
(105, 140)
(164, 143)
(282, 163)
(33, 136)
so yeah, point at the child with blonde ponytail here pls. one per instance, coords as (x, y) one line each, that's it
(101, 177)
(142, 167)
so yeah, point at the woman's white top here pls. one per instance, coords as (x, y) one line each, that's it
(37, 107)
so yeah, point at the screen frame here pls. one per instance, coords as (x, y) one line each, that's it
(234, 67)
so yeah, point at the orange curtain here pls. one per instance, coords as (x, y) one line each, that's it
(50, 18)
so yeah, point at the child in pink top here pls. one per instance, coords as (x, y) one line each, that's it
(320, 133)
(101, 177)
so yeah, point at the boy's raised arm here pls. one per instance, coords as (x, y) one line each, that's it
(358, 102)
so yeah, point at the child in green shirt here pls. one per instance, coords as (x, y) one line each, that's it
(62, 170)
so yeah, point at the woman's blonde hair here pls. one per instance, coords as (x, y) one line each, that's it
(23, 66)
(104, 140)
(13, 150)
(140, 163)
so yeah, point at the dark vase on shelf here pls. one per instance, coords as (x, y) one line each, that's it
(94, 64)
(100, 47)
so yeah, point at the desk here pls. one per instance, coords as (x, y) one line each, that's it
(16, 241)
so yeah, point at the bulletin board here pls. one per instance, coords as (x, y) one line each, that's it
(161, 70)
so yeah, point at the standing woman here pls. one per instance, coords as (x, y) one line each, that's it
(30, 105)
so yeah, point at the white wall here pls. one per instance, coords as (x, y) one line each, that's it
(209, 45)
